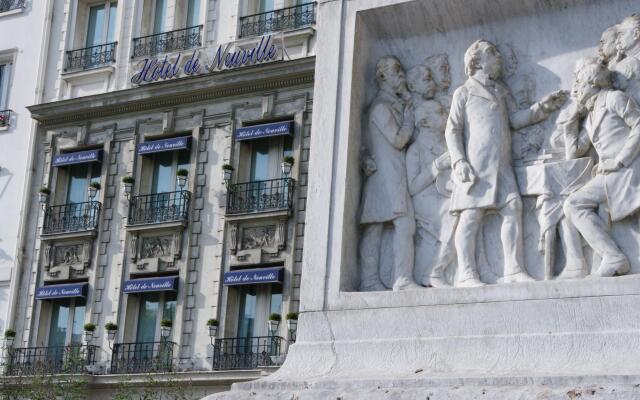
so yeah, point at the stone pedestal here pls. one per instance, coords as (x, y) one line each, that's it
(548, 339)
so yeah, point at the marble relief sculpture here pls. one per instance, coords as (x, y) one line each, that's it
(435, 166)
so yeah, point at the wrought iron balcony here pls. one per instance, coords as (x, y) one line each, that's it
(73, 217)
(278, 20)
(91, 57)
(129, 358)
(5, 118)
(159, 207)
(248, 352)
(166, 42)
(72, 359)
(260, 196)
(9, 5)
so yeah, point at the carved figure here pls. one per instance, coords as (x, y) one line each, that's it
(385, 197)
(478, 136)
(627, 71)
(612, 127)
(440, 72)
(607, 49)
(427, 160)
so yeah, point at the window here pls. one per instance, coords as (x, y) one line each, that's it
(193, 13)
(256, 303)
(80, 176)
(154, 307)
(266, 156)
(266, 5)
(159, 16)
(66, 326)
(101, 25)
(4, 85)
(165, 166)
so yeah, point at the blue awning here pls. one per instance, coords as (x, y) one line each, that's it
(62, 291)
(253, 276)
(264, 130)
(77, 157)
(163, 284)
(158, 146)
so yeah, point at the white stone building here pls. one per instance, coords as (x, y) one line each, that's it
(155, 91)
(22, 27)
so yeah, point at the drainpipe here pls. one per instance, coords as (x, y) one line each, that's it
(26, 211)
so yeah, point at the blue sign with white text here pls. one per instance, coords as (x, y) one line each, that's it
(163, 284)
(157, 146)
(252, 276)
(77, 157)
(264, 130)
(62, 291)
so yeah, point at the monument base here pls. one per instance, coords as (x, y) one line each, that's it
(539, 340)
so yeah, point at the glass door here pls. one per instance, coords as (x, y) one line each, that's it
(154, 307)
(65, 329)
(193, 13)
(159, 16)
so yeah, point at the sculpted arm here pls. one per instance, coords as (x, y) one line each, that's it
(419, 176)
(629, 111)
(397, 135)
(454, 133)
(537, 112)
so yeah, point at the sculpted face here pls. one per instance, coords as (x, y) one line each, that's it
(395, 78)
(421, 81)
(491, 62)
(608, 42)
(628, 36)
(430, 115)
(441, 74)
(583, 89)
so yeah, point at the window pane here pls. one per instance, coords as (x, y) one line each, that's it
(159, 16)
(96, 25)
(78, 322)
(2, 89)
(266, 5)
(260, 160)
(169, 308)
(247, 314)
(78, 183)
(59, 323)
(287, 146)
(276, 299)
(183, 162)
(149, 306)
(193, 13)
(163, 173)
(111, 32)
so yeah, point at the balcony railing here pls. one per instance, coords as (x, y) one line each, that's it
(142, 357)
(72, 359)
(9, 5)
(278, 20)
(248, 352)
(5, 118)
(166, 42)
(159, 207)
(91, 57)
(260, 196)
(72, 217)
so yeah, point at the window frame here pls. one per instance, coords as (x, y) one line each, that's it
(73, 305)
(162, 300)
(105, 24)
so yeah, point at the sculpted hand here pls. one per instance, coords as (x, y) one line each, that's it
(369, 166)
(464, 172)
(554, 100)
(607, 166)
(409, 118)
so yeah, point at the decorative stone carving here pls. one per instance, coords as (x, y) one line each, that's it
(233, 238)
(133, 246)
(155, 253)
(64, 261)
(259, 243)
(627, 70)
(157, 246)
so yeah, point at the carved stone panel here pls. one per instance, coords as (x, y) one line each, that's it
(66, 260)
(255, 244)
(154, 253)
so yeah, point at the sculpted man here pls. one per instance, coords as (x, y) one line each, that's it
(385, 197)
(627, 71)
(428, 161)
(612, 127)
(478, 136)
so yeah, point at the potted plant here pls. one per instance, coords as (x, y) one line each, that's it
(213, 327)
(9, 337)
(165, 327)
(287, 165)
(182, 174)
(292, 321)
(93, 189)
(89, 328)
(227, 171)
(127, 184)
(43, 195)
(274, 323)
(112, 330)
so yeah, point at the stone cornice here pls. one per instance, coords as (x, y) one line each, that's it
(187, 90)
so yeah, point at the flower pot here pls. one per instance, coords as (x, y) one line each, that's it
(286, 169)
(165, 331)
(92, 192)
(88, 336)
(226, 174)
(9, 341)
(292, 324)
(273, 326)
(43, 198)
(182, 181)
(111, 335)
(213, 330)
(127, 187)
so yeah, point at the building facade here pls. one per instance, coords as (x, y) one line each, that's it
(169, 189)
(21, 77)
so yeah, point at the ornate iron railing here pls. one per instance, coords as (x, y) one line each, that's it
(5, 118)
(71, 359)
(159, 207)
(72, 217)
(8, 5)
(260, 196)
(91, 57)
(278, 20)
(248, 352)
(142, 357)
(166, 42)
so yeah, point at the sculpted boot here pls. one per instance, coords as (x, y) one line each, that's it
(518, 275)
(468, 278)
(611, 265)
(573, 271)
